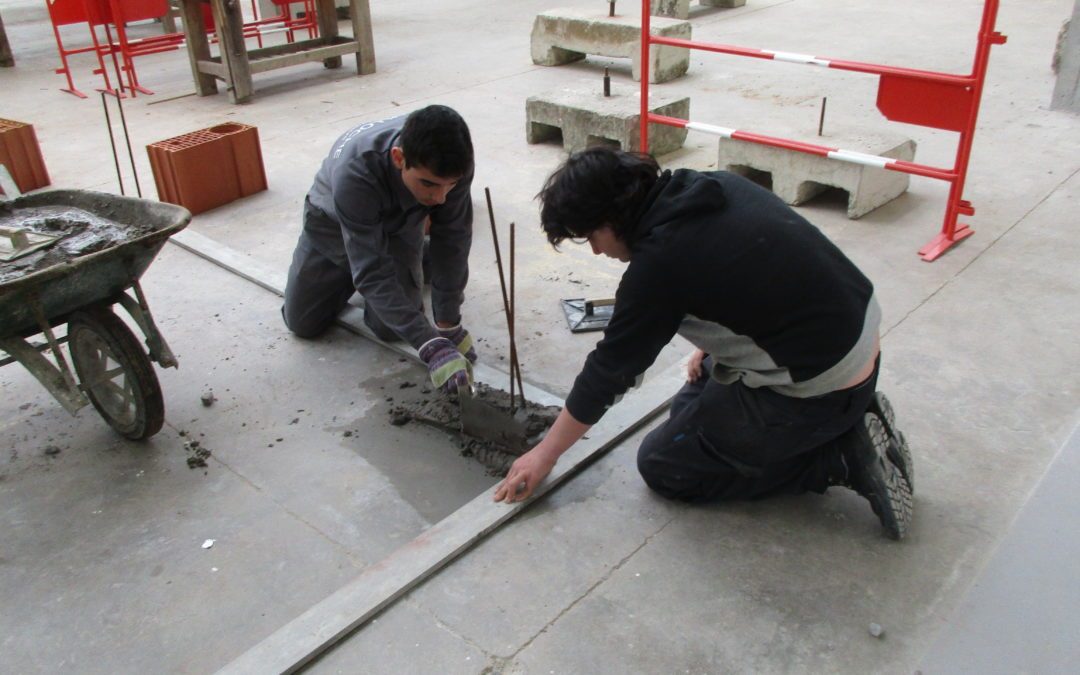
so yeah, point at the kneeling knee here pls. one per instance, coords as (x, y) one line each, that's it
(303, 329)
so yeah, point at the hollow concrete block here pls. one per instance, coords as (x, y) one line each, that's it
(21, 154)
(798, 176)
(585, 117)
(560, 36)
(680, 9)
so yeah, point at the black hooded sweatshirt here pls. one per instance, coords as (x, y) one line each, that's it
(730, 267)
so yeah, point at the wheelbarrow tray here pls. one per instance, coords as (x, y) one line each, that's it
(92, 278)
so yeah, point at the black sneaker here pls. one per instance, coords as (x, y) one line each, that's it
(899, 453)
(871, 473)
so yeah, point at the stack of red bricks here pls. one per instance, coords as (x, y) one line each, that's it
(204, 169)
(20, 153)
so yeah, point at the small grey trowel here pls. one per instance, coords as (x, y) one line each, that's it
(482, 420)
(585, 315)
(15, 242)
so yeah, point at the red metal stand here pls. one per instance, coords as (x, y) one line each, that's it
(67, 13)
(921, 97)
(113, 15)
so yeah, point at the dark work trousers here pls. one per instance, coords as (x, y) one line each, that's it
(318, 289)
(729, 441)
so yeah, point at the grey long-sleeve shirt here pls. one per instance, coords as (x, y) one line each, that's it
(361, 190)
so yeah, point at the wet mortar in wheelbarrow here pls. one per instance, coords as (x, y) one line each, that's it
(100, 246)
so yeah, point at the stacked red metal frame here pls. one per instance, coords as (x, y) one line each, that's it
(114, 15)
(921, 97)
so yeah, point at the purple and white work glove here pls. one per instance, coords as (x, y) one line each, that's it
(449, 370)
(461, 339)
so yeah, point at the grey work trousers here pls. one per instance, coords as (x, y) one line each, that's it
(730, 441)
(318, 288)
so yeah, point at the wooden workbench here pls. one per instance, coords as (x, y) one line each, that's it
(237, 64)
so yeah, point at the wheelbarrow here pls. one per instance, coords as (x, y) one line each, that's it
(112, 370)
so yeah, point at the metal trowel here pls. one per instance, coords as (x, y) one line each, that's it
(15, 242)
(585, 315)
(482, 420)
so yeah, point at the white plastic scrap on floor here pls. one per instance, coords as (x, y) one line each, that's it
(208, 543)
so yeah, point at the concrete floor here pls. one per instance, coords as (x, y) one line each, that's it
(101, 563)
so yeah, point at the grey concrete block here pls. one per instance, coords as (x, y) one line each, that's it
(797, 176)
(585, 117)
(1067, 59)
(680, 9)
(560, 36)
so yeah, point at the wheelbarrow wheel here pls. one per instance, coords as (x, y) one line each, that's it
(116, 373)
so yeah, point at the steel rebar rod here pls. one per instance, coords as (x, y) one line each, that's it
(502, 282)
(112, 143)
(127, 139)
(514, 366)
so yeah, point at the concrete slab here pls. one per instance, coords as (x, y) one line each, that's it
(582, 117)
(797, 177)
(103, 554)
(1018, 616)
(566, 34)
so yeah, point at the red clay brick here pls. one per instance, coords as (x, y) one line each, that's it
(209, 167)
(21, 154)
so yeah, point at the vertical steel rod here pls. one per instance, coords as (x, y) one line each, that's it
(513, 342)
(127, 139)
(821, 120)
(510, 322)
(112, 143)
(646, 36)
(502, 282)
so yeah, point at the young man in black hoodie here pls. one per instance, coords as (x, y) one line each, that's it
(780, 394)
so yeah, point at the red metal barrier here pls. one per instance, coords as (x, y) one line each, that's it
(921, 97)
(112, 16)
(71, 12)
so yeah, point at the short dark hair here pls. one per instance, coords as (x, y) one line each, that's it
(437, 139)
(593, 188)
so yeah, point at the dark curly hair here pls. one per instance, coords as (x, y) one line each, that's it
(593, 188)
(437, 138)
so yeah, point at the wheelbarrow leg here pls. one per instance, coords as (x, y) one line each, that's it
(155, 341)
(58, 380)
(59, 383)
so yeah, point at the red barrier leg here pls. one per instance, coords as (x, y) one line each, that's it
(951, 231)
(64, 68)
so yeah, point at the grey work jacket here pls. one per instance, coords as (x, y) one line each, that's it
(366, 203)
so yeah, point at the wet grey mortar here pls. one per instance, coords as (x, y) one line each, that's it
(83, 233)
(442, 412)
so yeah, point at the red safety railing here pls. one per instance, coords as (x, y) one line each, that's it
(921, 97)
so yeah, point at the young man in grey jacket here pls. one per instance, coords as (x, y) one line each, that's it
(780, 396)
(382, 185)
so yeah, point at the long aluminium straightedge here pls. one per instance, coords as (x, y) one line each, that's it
(318, 629)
